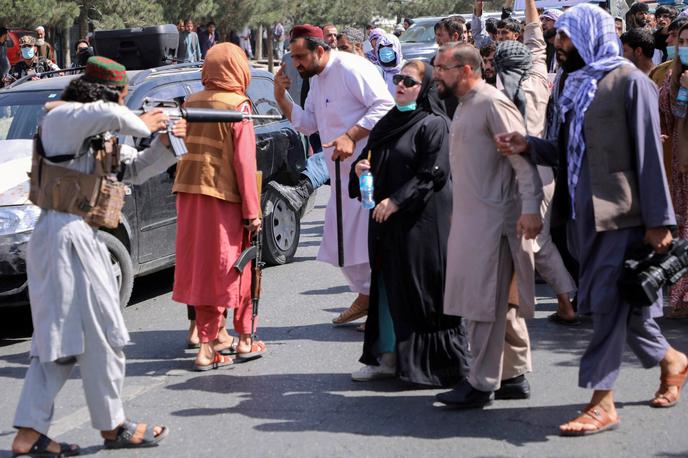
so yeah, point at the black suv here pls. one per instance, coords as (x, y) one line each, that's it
(145, 240)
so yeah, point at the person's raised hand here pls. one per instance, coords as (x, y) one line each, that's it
(511, 143)
(155, 119)
(684, 79)
(343, 147)
(362, 166)
(659, 238)
(529, 225)
(282, 82)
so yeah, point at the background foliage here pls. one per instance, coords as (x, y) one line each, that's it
(228, 14)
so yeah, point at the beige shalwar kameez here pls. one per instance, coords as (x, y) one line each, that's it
(490, 192)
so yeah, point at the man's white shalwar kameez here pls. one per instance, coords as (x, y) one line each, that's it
(348, 92)
(72, 287)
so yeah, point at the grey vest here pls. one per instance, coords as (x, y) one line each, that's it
(611, 154)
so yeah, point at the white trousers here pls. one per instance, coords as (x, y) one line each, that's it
(102, 372)
(358, 278)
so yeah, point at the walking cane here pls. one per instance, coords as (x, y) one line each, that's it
(338, 199)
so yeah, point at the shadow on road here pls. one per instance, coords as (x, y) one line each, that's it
(326, 291)
(333, 403)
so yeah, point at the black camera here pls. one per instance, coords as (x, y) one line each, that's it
(646, 271)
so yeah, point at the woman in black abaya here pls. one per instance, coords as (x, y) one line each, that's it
(407, 334)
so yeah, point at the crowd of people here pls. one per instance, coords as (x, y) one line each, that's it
(523, 146)
(37, 56)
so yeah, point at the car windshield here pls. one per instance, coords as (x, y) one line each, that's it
(20, 113)
(420, 32)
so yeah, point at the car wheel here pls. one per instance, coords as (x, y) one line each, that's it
(281, 229)
(121, 264)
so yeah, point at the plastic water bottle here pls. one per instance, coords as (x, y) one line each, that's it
(680, 108)
(366, 184)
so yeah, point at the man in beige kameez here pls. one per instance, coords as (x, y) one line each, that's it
(496, 214)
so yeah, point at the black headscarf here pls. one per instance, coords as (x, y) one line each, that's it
(396, 122)
(388, 130)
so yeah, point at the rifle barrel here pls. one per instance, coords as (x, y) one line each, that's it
(213, 115)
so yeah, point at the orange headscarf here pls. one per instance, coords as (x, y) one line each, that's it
(226, 69)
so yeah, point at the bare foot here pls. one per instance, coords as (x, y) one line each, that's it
(206, 353)
(192, 335)
(224, 341)
(565, 308)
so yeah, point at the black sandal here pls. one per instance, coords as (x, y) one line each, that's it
(40, 449)
(127, 432)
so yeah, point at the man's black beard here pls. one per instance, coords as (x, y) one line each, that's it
(573, 61)
(444, 92)
(492, 80)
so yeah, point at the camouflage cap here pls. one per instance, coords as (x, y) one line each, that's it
(27, 40)
(105, 71)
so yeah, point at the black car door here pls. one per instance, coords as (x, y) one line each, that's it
(155, 202)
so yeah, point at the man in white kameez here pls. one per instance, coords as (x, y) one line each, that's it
(74, 295)
(347, 97)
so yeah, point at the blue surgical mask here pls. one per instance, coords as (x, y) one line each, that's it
(387, 55)
(410, 107)
(27, 53)
(671, 52)
(683, 54)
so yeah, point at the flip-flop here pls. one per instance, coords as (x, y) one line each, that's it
(232, 349)
(219, 361)
(595, 416)
(258, 349)
(555, 318)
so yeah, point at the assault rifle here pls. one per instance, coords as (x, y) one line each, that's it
(175, 112)
(254, 255)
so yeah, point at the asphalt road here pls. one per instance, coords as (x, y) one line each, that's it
(299, 400)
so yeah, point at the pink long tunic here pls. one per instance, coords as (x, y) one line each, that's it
(210, 235)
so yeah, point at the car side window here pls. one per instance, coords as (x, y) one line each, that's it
(261, 93)
(174, 92)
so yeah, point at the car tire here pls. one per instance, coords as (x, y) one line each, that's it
(121, 263)
(281, 229)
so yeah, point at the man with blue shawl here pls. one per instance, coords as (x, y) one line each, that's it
(614, 194)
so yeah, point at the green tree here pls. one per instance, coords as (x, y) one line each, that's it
(31, 13)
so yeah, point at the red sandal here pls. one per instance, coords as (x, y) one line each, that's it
(667, 381)
(595, 416)
(258, 349)
(219, 361)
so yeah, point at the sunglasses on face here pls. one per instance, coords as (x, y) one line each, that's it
(408, 81)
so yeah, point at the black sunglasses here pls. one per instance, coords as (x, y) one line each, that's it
(408, 81)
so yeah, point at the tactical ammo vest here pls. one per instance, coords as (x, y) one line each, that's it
(96, 197)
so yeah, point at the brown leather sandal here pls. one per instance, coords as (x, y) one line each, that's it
(595, 416)
(358, 309)
(667, 381)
